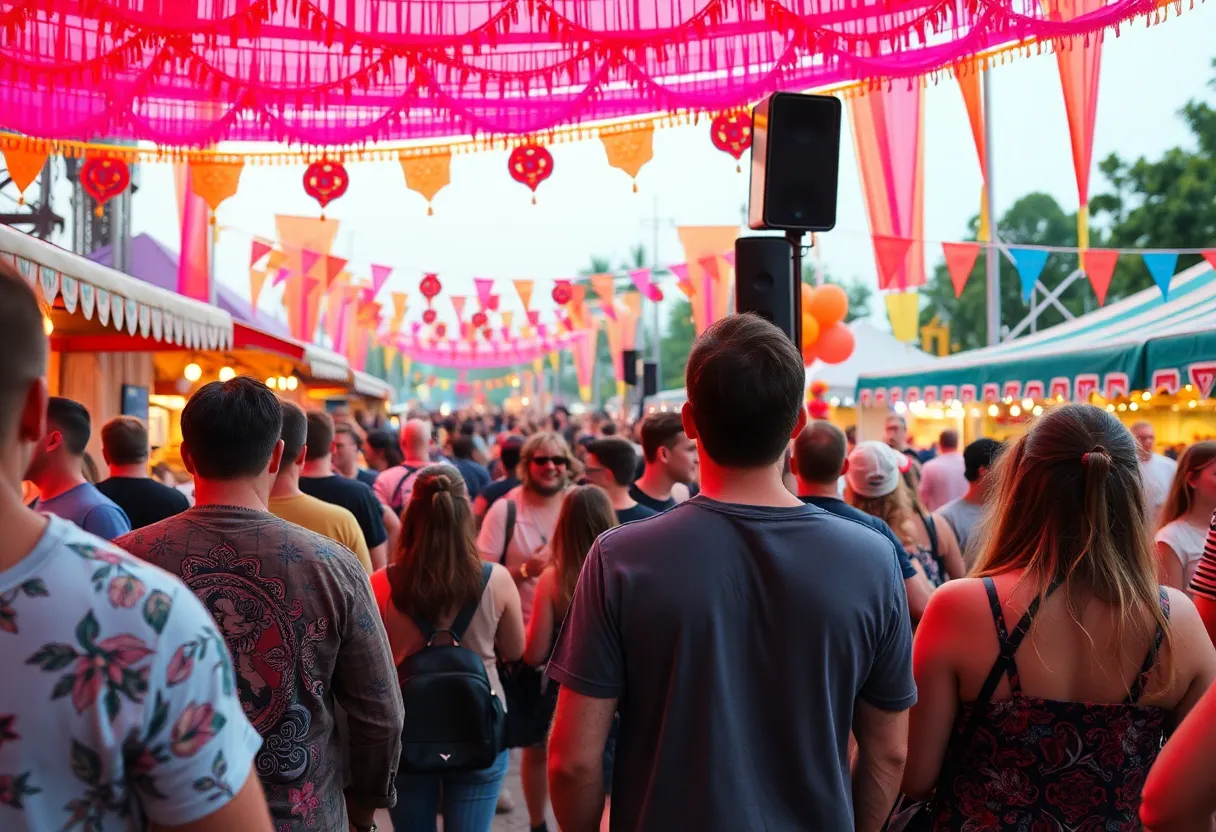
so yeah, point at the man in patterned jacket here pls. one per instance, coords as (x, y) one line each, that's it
(295, 609)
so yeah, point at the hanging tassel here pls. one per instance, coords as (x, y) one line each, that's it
(635, 186)
(738, 168)
(533, 199)
(430, 212)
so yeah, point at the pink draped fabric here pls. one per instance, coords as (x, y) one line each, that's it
(337, 72)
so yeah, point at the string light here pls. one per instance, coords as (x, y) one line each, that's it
(1015, 411)
(193, 372)
(1027, 404)
(272, 382)
(226, 374)
(48, 326)
(1133, 407)
(1110, 408)
(1038, 410)
(292, 382)
(1192, 403)
(1146, 395)
(993, 410)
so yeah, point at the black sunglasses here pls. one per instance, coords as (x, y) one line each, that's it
(559, 461)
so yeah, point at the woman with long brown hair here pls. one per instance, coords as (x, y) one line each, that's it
(1186, 515)
(877, 483)
(435, 571)
(1067, 728)
(586, 513)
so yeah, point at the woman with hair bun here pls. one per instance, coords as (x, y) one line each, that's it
(435, 570)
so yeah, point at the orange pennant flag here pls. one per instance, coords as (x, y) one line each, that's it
(890, 253)
(960, 260)
(1210, 256)
(524, 289)
(333, 268)
(603, 285)
(399, 304)
(508, 318)
(257, 279)
(215, 181)
(23, 164)
(458, 305)
(1099, 265)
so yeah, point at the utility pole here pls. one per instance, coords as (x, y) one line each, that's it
(992, 257)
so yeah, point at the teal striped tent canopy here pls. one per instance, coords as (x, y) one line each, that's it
(1141, 342)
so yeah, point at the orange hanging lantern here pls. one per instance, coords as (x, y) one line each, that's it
(325, 181)
(104, 178)
(530, 164)
(732, 133)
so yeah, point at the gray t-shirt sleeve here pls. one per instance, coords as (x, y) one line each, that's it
(106, 521)
(587, 657)
(890, 685)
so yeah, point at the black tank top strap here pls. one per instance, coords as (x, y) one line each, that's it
(1137, 689)
(931, 531)
(1009, 642)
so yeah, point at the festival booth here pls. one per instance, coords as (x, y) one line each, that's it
(106, 329)
(1151, 356)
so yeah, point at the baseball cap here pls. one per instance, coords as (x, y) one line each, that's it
(874, 469)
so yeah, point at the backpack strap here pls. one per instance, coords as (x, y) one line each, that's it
(393, 501)
(470, 609)
(508, 531)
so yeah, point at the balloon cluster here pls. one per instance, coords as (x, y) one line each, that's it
(824, 333)
(818, 406)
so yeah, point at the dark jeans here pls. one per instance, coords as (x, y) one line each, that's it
(469, 799)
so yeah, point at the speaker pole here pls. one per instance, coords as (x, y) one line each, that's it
(795, 238)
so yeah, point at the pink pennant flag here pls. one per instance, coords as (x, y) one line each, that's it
(534, 317)
(710, 265)
(506, 333)
(641, 279)
(308, 259)
(541, 330)
(493, 304)
(458, 302)
(609, 310)
(485, 286)
(280, 277)
(258, 250)
(680, 270)
(333, 268)
(415, 327)
(379, 277)
(729, 257)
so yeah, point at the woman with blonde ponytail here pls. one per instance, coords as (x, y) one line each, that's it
(434, 571)
(1066, 728)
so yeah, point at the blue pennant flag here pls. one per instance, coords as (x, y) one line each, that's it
(1161, 265)
(1029, 262)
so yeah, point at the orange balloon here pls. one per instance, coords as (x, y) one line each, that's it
(808, 292)
(829, 304)
(835, 343)
(810, 338)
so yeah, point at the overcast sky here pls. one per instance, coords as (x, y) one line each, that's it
(485, 225)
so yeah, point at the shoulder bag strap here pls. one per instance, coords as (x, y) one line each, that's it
(393, 504)
(470, 609)
(931, 530)
(508, 531)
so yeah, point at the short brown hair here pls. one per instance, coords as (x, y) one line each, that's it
(23, 343)
(351, 431)
(948, 440)
(125, 441)
(320, 434)
(745, 381)
(819, 452)
(293, 432)
(659, 430)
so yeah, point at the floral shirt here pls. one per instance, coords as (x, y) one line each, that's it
(117, 700)
(297, 612)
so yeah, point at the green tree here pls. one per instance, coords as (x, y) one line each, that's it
(676, 344)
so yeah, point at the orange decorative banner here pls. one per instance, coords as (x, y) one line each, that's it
(889, 134)
(604, 286)
(960, 260)
(427, 175)
(629, 150)
(297, 235)
(1099, 265)
(584, 359)
(969, 78)
(399, 304)
(710, 298)
(23, 163)
(524, 289)
(257, 279)
(458, 302)
(215, 182)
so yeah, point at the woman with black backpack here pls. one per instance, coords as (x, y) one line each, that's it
(446, 613)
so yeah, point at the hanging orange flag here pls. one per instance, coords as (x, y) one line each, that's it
(1099, 265)
(257, 279)
(427, 175)
(629, 150)
(604, 287)
(524, 289)
(960, 260)
(891, 253)
(969, 77)
(458, 304)
(215, 181)
(23, 164)
(399, 302)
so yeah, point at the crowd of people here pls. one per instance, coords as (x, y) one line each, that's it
(726, 618)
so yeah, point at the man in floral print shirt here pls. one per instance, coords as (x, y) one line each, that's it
(117, 702)
(295, 609)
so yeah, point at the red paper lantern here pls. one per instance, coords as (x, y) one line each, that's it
(488, 333)
(530, 164)
(732, 133)
(325, 181)
(561, 292)
(818, 409)
(104, 178)
(430, 286)
(441, 330)
(429, 316)
(478, 319)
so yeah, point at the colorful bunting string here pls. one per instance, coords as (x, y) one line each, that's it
(1029, 263)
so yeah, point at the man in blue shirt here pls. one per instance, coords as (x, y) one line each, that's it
(57, 469)
(819, 460)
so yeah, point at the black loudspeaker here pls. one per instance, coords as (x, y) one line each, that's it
(795, 162)
(650, 379)
(765, 284)
(630, 359)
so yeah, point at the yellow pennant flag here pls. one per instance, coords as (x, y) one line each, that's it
(257, 279)
(903, 309)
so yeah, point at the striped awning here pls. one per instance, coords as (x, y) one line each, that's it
(1140, 342)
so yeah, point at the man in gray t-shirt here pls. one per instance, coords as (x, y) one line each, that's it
(741, 635)
(964, 514)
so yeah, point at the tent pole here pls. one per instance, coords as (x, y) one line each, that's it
(992, 257)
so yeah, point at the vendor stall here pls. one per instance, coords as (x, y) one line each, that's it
(1145, 357)
(105, 327)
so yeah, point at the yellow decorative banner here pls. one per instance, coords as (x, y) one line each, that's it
(903, 309)
(629, 150)
(215, 181)
(427, 175)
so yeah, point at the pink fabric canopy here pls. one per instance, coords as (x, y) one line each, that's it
(333, 72)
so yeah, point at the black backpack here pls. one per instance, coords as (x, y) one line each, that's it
(454, 719)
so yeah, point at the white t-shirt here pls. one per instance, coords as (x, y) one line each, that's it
(533, 531)
(1187, 542)
(1158, 476)
(943, 479)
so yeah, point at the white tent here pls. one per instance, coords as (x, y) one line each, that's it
(873, 351)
